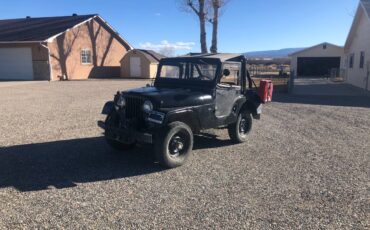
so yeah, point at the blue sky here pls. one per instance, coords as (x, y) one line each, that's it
(245, 25)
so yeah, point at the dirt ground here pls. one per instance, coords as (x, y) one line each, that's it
(306, 166)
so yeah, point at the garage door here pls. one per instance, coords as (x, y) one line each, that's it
(16, 64)
(317, 66)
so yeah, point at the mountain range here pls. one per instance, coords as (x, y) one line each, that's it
(282, 53)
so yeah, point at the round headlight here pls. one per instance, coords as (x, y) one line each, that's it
(147, 106)
(121, 102)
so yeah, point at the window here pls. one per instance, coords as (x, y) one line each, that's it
(324, 46)
(234, 77)
(170, 71)
(362, 59)
(86, 56)
(203, 71)
(188, 71)
(351, 60)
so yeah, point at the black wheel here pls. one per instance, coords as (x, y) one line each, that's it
(239, 131)
(118, 145)
(174, 144)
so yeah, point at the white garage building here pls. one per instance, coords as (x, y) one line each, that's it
(357, 48)
(318, 61)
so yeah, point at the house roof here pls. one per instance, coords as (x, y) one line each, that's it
(363, 8)
(37, 29)
(42, 29)
(151, 55)
(312, 47)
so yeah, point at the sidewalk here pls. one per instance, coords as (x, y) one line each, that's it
(323, 86)
(4, 84)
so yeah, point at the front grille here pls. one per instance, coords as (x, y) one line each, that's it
(134, 107)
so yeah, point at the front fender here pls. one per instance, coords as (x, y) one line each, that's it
(107, 107)
(186, 115)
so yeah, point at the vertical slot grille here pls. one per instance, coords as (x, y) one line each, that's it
(133, 107)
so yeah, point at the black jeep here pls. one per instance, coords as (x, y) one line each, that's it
(190, 94)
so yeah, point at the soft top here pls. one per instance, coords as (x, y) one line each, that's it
(222, 57)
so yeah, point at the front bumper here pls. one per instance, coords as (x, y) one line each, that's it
(126, 135)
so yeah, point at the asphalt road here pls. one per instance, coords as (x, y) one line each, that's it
(307, 165)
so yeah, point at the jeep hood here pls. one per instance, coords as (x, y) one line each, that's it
(172, 97)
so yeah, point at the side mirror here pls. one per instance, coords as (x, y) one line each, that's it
(148, 85)
(226, 72)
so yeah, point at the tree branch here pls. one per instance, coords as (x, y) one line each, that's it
(55, 57)
(190, 4)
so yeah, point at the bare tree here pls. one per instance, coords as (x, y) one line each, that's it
(207, 10)
(94, 34)
(199, 8)
(216, 5)
(65, 44)
(93, 37)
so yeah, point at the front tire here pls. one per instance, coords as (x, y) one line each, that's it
(173, 145)
(239, 130)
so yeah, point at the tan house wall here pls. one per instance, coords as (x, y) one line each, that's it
(148, 69)
(106, 49)
(318, 51)
(40, 59)
(360, 42)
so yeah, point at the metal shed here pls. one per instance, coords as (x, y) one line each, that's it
(139, 63)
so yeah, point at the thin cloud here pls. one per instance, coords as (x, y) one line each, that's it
(157, 14)
(167, 48)
(168, 45)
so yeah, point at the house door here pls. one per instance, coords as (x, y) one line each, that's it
(135, 67)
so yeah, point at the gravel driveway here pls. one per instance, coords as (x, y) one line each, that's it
(307, 165)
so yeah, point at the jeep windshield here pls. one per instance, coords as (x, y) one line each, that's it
(191, 70)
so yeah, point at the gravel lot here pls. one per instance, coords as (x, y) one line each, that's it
(307, 165)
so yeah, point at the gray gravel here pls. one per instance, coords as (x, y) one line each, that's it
(307, 165)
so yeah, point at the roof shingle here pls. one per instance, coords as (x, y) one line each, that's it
(37, 29)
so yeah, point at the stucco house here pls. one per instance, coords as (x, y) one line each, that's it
(140, 63)
(54, 48)
(357, 48)
(318, 61)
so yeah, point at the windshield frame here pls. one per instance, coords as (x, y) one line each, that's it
(174, 81)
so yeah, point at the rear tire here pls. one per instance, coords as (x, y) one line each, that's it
(239, 130)
(174, 144)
